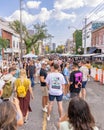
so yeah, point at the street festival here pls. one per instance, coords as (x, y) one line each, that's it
(52, 65)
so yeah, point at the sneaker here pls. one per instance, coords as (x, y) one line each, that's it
(25, 121)
(65, 98)
(48, 118)
(44, 109)
(68, 95)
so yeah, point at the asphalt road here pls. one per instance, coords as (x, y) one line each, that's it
(37, 118)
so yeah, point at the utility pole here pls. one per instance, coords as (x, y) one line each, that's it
(85, 35)
(21, 29)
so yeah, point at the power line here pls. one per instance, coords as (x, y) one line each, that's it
(99, 18)
(96, 9)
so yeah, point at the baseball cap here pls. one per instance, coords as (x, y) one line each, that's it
(1, 84)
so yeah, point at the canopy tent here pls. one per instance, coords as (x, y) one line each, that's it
(102, 55)
(92, 50)
(67, 54)
(30, 55)
(88, 55)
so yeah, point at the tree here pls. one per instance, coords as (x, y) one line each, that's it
(60, 49)
(78, 40)
(15, 25)
(3, 43)
(31, 41)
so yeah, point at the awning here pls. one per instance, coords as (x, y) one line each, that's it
(92, 50)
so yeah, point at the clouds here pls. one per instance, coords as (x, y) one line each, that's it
(59, 15)
(26, 17)
(68, 4)
(97, 16)
(74, 4)
(44, 15)
(92, 3)
(59, 11)
(33, 4)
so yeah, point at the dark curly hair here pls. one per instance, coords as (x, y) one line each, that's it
(80, 115)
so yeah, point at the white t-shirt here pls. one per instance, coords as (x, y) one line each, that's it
(55, 82)
(65, 125)
(38, 67)
(85, 72)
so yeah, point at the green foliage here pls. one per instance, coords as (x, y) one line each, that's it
(3, 43)
(31, 40)
(52, 51)
(78, 41)
(15, 25)
(60, 49)
(99, 66)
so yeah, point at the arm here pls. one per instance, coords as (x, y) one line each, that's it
(63, 87)
(64, 118)
(19, 113)
(31, 92)
(42, 79)
(67, 78)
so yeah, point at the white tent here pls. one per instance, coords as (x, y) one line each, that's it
(102, 55)
(30, 55)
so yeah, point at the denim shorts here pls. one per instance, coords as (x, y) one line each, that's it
(84, 84)
(58, 97)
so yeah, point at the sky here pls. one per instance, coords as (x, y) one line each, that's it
(58, 15)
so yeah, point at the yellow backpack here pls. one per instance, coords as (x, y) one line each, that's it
(21, 91)
(21, 88)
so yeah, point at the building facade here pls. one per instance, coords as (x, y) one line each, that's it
(98, 38)
(92, 26)
(13, 49)
(69, 46)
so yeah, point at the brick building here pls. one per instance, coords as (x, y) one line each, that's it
(98, 38)
(13, 49)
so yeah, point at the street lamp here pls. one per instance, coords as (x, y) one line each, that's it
(85, 32)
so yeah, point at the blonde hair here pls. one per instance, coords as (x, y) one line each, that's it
(23, 73)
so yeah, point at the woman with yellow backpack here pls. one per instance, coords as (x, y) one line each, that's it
(23, 92)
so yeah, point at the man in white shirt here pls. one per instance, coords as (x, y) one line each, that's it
(55, 82)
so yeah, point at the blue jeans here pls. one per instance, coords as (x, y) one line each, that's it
(32, 81)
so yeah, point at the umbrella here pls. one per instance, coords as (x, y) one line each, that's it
(30, 55)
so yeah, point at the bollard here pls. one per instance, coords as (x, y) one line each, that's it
(96, 75)
(101, 80)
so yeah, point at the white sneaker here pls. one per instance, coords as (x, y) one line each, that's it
(44, 109)
(48, 118)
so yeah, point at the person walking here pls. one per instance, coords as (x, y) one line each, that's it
(55, 83)
(23, 81)
(43, 75)
(66, 74)
(13, 115)
(75, 81)
(85, 72)
(31, 73)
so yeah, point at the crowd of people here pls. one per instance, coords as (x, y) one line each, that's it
(59, 78)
